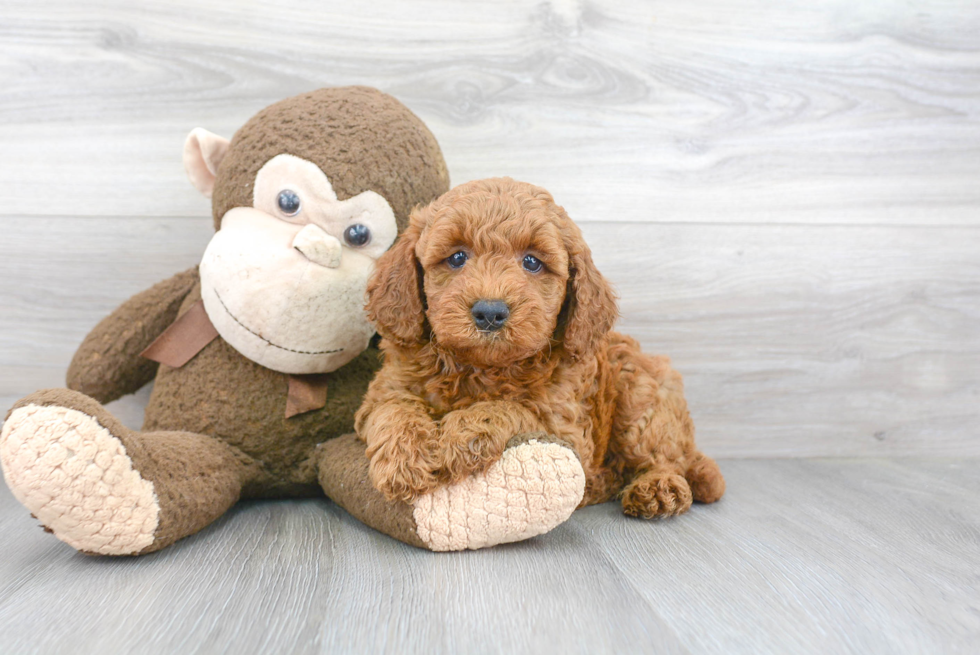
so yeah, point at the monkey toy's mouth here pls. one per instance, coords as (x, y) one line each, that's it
(274, 345)
(277, 307)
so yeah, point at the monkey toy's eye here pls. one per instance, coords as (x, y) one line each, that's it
(357, 235)
(532, 264)
(457, 259)
(288, 202)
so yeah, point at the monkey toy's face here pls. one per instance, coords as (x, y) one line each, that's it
(283, 281)
(305, 197)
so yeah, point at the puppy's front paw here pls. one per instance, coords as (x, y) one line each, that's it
(657, 493)
(470, 442)
(399, 473)
(399, 450)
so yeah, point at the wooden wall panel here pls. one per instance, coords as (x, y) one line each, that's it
(788, 198)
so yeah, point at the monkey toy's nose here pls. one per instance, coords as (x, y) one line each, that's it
(490, 314)
(318, 246)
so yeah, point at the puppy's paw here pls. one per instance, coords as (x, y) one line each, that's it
(470, 442)
(400, 475)
(401, 464)
(657, 493)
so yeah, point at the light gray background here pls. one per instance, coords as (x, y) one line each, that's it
(786, 196)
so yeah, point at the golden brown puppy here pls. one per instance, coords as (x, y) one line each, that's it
(497, 323)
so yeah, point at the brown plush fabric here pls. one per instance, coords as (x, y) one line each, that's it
(363, 139)
(73, 400)
(183, 339)
(306, 393)
(107, 365)
(543, 437)
(196, 478)
(223, 394)
(344, 477)
(216, 428)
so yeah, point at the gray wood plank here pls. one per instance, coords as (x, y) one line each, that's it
(794, 340)
(631, 111)
(825, 556)
(801, 556)
(303, 577)
(785, 196)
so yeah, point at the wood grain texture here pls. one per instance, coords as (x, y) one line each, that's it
(794, 340)
(842, 556)
(787, 197)
(829, 112)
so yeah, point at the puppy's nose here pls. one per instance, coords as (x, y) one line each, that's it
(490, 314)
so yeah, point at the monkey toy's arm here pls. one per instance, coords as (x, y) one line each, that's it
(108, 364)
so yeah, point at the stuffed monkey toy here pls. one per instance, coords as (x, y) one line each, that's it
(261, 355)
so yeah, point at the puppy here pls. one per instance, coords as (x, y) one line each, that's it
(496, 323)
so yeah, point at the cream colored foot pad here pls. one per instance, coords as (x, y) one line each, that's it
(76, 478)
(533, 488)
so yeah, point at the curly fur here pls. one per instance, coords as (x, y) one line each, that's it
(450, 396)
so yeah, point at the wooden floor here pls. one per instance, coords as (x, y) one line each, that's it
(786, 196)
(802, 556)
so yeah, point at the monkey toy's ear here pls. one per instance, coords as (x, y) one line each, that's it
(203, 151)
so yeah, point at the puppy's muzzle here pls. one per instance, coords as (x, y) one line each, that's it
(490, 315)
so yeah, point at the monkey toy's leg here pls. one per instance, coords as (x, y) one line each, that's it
(104, 489)
(653, 438)
(535, 486)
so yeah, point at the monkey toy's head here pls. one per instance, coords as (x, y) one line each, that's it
(306, 196)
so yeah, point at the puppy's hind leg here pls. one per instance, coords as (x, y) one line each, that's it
(655, 452)
(663, 491)
(704, 476)
(653, 438)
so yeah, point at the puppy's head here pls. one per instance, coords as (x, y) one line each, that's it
(495, 271)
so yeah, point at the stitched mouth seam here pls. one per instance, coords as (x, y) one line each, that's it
(274, 345)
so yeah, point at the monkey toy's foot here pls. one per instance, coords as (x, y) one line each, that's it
(74, 475)
(534, 487)
(107, 490)
(531, 489)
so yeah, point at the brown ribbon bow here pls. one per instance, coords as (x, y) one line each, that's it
(193, 330)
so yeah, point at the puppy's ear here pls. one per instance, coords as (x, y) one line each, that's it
(590, 304)
(394, 292)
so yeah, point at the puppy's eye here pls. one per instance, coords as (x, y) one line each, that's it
(357, 235)
(532, 264)
(457, 259)
(288, 202)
